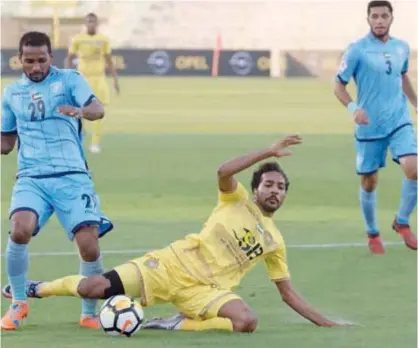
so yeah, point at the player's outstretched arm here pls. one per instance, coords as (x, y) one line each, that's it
(298, 304)
(8, 142)
(409, 90)
(227, 170)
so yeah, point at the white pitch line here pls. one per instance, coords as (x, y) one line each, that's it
(140, 251)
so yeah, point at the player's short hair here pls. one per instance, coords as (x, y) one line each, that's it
(265, 168)
(35, 39)
(379, 3)
(92, 15)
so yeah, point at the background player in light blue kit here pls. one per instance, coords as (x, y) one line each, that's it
(43, 112)
(379, 65)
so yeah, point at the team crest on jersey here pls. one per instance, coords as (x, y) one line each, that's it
(401, 52)
(36, 96)
(260, 229)
(56, 87)
(152, 263)
(386, 55)
(343, 65)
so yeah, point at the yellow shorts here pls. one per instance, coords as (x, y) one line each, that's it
(158, 277)
(100, 88)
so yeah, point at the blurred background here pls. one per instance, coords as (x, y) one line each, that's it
(296, 38)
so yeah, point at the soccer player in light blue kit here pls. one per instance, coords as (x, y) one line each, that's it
(378, 64)
(43, 111)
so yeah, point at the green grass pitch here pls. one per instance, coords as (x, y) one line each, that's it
(164, 139)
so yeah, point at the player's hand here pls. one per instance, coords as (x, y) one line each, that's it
(116, 86)
(279, 148)
(70, 111)
(329, 323)
(360, 117)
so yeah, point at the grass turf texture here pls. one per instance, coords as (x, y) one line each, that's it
(164, 139)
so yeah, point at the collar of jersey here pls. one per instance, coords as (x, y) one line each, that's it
(374, 39)
(27, 81)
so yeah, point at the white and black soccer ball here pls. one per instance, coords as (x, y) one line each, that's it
(121, 316)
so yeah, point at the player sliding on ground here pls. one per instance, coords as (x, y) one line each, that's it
(379, 65)
(197, 273)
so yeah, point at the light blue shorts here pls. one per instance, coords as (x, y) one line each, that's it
(371, 154)
(71, 197)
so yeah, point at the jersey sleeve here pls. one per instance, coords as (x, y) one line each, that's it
(239, 194)
(276, 264)
(8, 118)
(405, 65)
(73, 48)
(81, 92)
(106, 47)
(348, 65)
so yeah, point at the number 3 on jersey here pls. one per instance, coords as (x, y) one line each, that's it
(389, 67)
(37, 110)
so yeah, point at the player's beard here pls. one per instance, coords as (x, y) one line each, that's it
(38, 77)
(381, 34)
(268, 208)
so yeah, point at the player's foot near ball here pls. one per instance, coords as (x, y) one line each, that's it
(375, 244)
(170, 323)
(13, 318)
(404, 230)
(94, 148)
(31, 289)
(90, 322)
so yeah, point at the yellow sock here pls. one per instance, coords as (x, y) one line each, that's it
(66, 286)
(205, 325)
(96, 128)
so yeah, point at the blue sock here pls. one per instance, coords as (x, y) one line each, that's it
(368, 207)
(408, 201)
(17, 260)
(88, 307)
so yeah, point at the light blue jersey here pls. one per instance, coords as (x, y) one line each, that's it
(49, 143)
(377, 69)
(52, 171)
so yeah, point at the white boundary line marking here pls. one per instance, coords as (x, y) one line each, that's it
(140, 251)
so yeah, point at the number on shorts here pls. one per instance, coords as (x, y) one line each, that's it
(87, 198)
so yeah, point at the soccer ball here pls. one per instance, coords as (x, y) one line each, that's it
(121, 316)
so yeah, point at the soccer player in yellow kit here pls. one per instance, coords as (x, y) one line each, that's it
(93, 52)
(198, 273)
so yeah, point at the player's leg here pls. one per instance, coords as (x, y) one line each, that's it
(204, 308)
(122, 280)
(78, 209)
(101, 91)
(87, 241)
(404, 151)
(370, 158)
(28, 212)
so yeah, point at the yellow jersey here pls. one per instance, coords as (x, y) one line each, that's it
(234, 238)
(91, 51)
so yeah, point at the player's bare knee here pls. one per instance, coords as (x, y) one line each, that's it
(410, 168)
(23, 225)
(88, 243)
(90, 253)
(246, 322)
(93, 287)
(369, 182)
